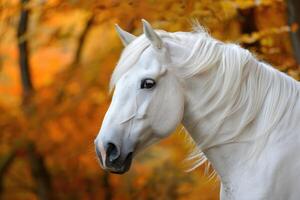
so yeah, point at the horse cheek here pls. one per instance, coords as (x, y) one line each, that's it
(170, 114)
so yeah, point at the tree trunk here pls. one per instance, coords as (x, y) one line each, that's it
(39, 173)
(294, 18)
(36, 161)
(23, 50)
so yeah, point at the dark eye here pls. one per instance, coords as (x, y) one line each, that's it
(147, 83)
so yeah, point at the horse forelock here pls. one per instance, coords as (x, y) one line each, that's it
(134, 50)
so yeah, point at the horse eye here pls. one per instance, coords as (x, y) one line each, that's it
(147, 83)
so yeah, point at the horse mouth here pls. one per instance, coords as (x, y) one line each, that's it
(118, 167)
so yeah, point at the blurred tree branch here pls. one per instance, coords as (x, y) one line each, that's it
(76, 60)
(38, 169)
(5, 163)
(82, 39)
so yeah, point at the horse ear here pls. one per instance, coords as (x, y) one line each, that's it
(151, 35)
(125, 37)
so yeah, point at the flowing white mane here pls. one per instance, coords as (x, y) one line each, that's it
(236, 85)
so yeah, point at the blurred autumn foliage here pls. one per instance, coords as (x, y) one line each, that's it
(48, 122)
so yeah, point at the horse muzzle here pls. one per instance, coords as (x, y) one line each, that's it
(112, 159)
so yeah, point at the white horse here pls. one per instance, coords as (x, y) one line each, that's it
(243, 114)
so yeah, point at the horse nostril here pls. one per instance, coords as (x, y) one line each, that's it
(112, 152)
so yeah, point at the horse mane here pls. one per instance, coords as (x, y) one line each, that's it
(240, 82)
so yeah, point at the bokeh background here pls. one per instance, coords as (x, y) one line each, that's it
(56, 58)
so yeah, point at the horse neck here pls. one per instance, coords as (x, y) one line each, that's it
(227, 119)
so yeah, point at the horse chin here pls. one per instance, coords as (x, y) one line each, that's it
(118, 172)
